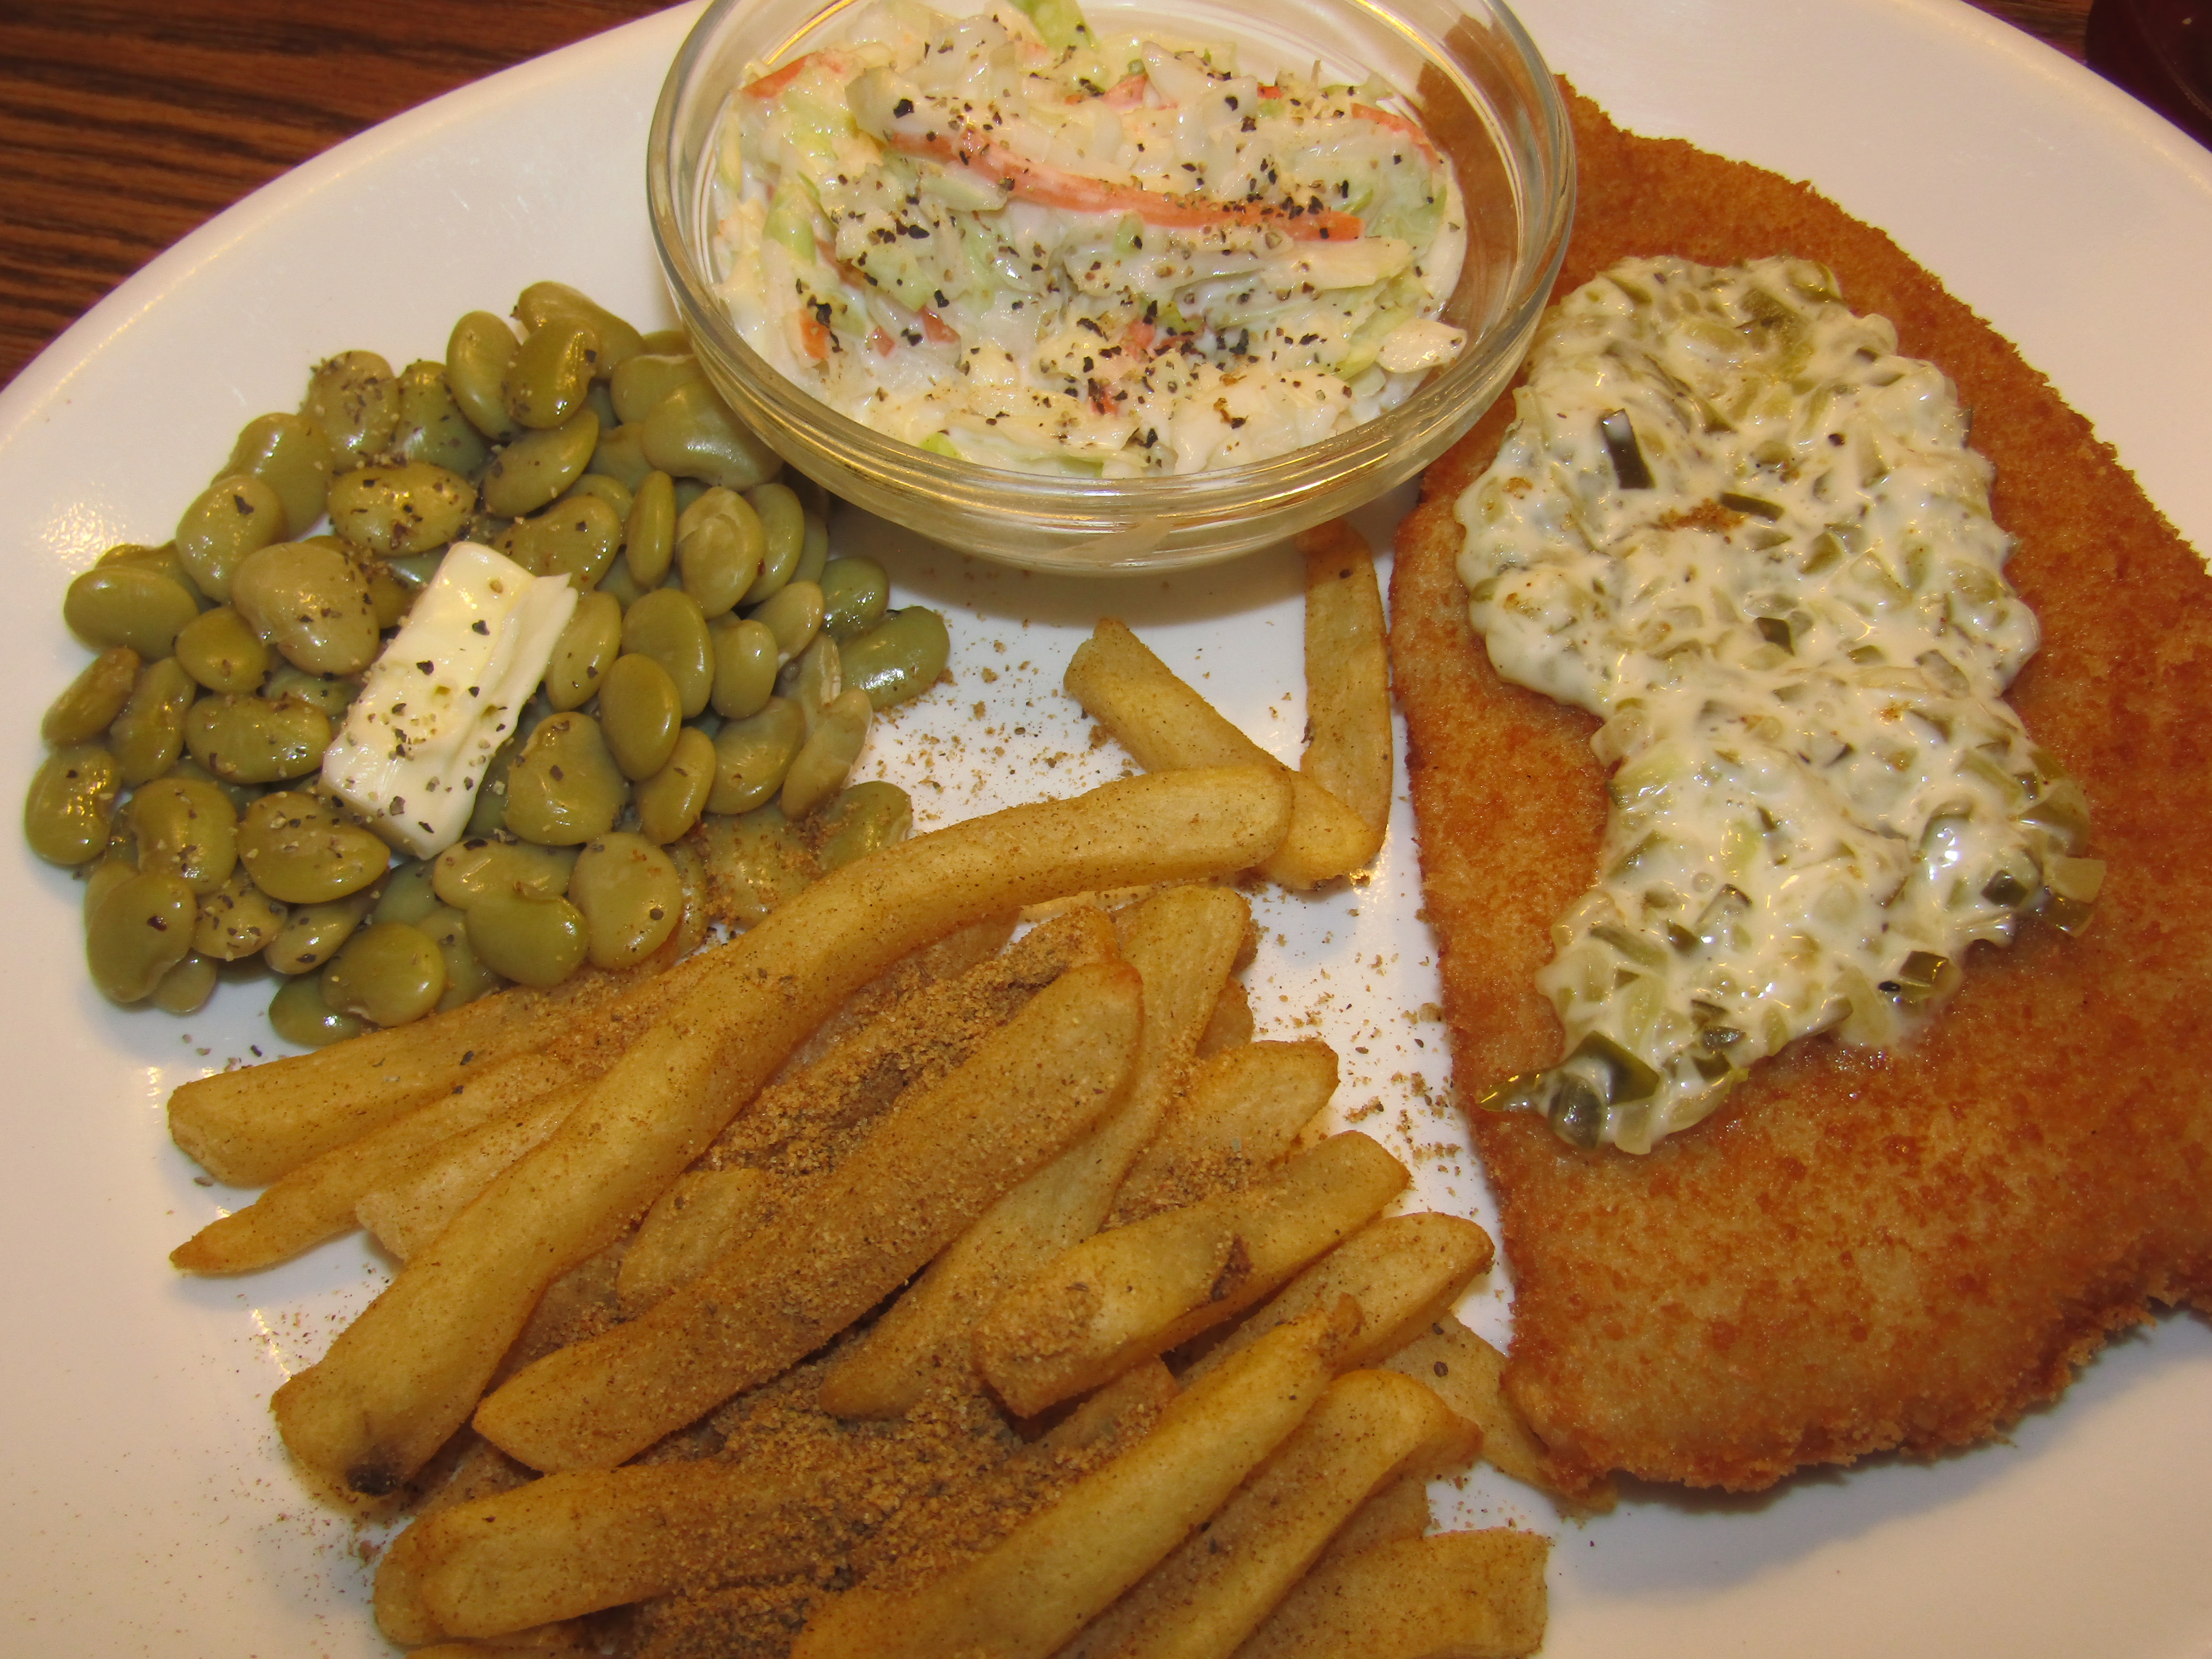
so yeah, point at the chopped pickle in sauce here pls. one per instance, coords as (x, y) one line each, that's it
(1731, 521)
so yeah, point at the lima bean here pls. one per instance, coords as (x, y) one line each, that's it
(466, 870)
(393, 512)
(291, 455)
(300, 851)
(221, 652)
(899, 658)
(586, 649)
(825, 760)
(354, 398)
(783, 531)
(719, 547)
(313, 933)
(566, 787)
(187, 987)
(235, 515)
(243, 738)
(537, 467)
(547, 302)
(533, 941)
(331, 693)
(467, 977)
(431, 427)
(70, 806)
(550, 372)
(577, 537)
(640, 714)
(388, 974)
(690, 433)
(640, 383)
(669, 803)
(477, 353)
(855, 592)
(94, 698)
(667, 625)
(147, 737)
(299, 1015)
(238, 919)
(310, 603)
(745, 661)
(794, 617)
(752, 756)
(140, 928)
(630, 895)
(649, 536)
(864, 819)
(608, 488)
(128, 604)
(408, 893)
(188, 828)
(756, 861)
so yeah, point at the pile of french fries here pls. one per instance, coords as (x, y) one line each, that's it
(1100, 1206)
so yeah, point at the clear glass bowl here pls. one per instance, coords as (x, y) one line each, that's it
(1479, 87)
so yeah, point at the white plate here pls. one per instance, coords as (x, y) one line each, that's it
(149, 1509)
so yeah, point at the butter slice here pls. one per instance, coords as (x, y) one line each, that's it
(445, 695)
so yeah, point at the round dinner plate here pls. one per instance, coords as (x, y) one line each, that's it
(148, 1507)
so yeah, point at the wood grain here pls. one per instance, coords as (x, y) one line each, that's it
(127, 124)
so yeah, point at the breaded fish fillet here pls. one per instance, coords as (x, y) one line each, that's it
(1859, 1251)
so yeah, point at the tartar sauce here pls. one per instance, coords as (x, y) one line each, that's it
(1014, 241)
(1730, 519)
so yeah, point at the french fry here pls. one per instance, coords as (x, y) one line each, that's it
(1181, 942)
(1148, 1387)
(411, 1209)
(1247, 1104)
(928, 1168)
(1217, 1588)
(1138, 1291)
(1398, 1510)
(1451, 1595)
(572, 1544)
(702, 1215)
(1470, 1376)
(1167, 726)
(1405, 1272)
(1231, 1024)
(408, 1373)
(318, 1199)
(1064, 1566)
(1347, 674)
(247, 1128)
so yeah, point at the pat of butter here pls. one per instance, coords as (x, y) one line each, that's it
(443, 696)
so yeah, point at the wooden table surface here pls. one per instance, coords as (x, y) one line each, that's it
(126, 123)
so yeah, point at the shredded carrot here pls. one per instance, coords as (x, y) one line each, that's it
(813, 336)
(936, 329)
(1076, 192)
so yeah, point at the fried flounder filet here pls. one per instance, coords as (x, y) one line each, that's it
(1859, 1251)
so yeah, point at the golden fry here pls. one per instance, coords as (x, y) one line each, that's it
(318, 1199)
(702, 1215)
(927, 1168)
(1140, 1289)
(248, 1126)
(1470, 1376)
(1168, 726)
(1061, 1568)
(1243, 1108)
(1181, 942)
(1397, 1512)
(1452, 1595)
(1405, 1272)
(1347, 674)
(408, 1212)
(1221, 1583)
(572, 1544)
(407, 1373)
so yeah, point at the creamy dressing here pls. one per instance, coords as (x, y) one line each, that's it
(1115, 257)
(1732, 521)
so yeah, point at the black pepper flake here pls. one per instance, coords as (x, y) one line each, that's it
(427, 666)
(901, 109)
(479, 626)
